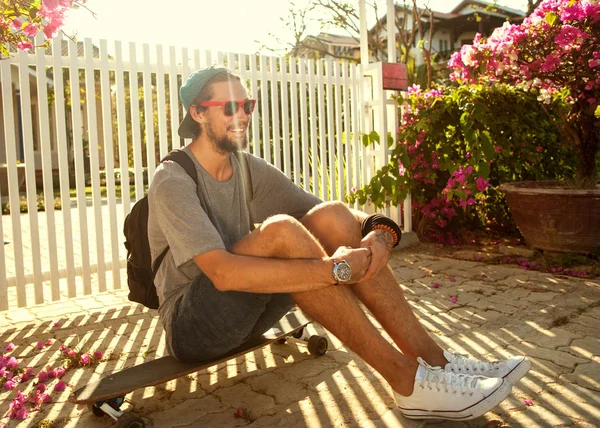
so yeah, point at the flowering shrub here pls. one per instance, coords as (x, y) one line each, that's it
(556, 50)
(456, 144)
(21, 20)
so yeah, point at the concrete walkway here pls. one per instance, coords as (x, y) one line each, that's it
(500, 311)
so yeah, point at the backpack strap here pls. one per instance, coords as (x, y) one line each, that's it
(247, 180)
(184, 161)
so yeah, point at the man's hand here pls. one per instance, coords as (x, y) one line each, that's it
(381, 244)
(359, 260)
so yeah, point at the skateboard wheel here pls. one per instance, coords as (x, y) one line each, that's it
(116, 402)
(96, 410)
(317, 345)
(130, 420)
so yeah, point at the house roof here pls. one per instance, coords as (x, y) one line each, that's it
(338, 39)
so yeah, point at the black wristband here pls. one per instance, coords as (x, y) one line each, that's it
(369, 223)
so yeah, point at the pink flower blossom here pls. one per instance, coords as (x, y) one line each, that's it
(435, 285)
(86, 359)
(40, 345)
(98, 355)
(71, 353)
(24, 46)
(528, 402)
(30, 29)
(454, 299)
(60, 372)
(482, 184)
(16, 24)
(10, 346)
(9, 385)
(46, 398)
(43, 376)
(41, 387)
(60, 386)
(56, 324)
(11, 363)
(452, 279)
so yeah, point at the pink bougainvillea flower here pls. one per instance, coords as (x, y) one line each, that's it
(454, 299)
(30, 29)
(52, 373)
(41, 387)
(49, 342)
(452, 279)
(11, 363)
(46, 398)
(86, 359)
(528, 402)
(40, 345)
(435, 285)
(10, 346)
(43, 376)
(60, 386)
(239, 413)
(72, 354)
(98, 355)
(22, 413)
(16, 24)
(9, 385)
(25, 46)
(60, 372)
(484, 276)
(56, 324)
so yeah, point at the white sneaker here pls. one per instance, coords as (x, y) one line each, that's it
(439, 394)
(512, 369)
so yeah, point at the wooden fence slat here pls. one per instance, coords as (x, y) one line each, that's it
(162, 102)
(294, 112)
(63, 161)
(174, 99)
(30, 178)
(10, 140)
(109, 165)
(135, 123)
(314, 155)
(338, 128)
(255, 116)
(331, 130)
(77, 132)
(322, 131)
(120, 100)
(264, 101)
(148, 113)
(46, 152)
(356, 138)
(304, 127)
(346, 134)
(92, 127)
(285, 118)
(275, 113)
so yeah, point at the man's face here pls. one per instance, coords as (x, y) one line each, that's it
(228, 133)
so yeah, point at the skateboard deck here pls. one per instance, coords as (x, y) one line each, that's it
(167, 368)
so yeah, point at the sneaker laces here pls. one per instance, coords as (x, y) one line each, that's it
(462, 362)
(438, 378)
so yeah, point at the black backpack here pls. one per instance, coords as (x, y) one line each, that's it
(140, 272)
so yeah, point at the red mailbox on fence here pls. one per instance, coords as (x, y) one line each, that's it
(395, 76)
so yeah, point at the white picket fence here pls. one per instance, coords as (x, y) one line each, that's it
(84, 112)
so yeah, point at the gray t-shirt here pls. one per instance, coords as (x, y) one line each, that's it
(216, 217)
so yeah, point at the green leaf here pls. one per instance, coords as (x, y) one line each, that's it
(597, 112)
(388, 183)
(366, 140)
(374, 136)
(551, 18)
(484, 169)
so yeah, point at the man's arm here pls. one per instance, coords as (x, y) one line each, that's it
(232, 272)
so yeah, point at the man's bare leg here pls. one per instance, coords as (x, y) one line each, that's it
(334, 225)
(336, 308)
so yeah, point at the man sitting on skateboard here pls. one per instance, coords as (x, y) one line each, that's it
(222, 284)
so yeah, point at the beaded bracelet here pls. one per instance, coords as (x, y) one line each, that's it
(378, 221)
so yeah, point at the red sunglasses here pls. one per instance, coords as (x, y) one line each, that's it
(230, 108)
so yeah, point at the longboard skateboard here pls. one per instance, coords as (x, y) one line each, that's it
(106, 395)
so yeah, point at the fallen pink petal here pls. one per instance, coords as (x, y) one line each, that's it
(41, 387)
(98, 355)
(435, 285)
(528, 402)
(239, 413)
(43, 376)
(9, 385)
(60, 386)
(453, 299)
(40, 345)
(60, 372)
(452, 279)
(56, 325)
(10, 346)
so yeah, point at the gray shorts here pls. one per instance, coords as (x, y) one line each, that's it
(208, 323)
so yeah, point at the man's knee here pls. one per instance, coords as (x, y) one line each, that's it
(333, 224)
(289, 238)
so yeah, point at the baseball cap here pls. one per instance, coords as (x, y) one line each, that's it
(188, 91)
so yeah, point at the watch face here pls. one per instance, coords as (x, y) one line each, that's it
(343, 271)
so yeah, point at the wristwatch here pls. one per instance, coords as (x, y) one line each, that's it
(342, 272)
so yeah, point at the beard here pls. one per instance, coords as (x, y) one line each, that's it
(224, 144)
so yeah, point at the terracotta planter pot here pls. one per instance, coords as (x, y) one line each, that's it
(554, 218)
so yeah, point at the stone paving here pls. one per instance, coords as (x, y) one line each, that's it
(499, 311)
